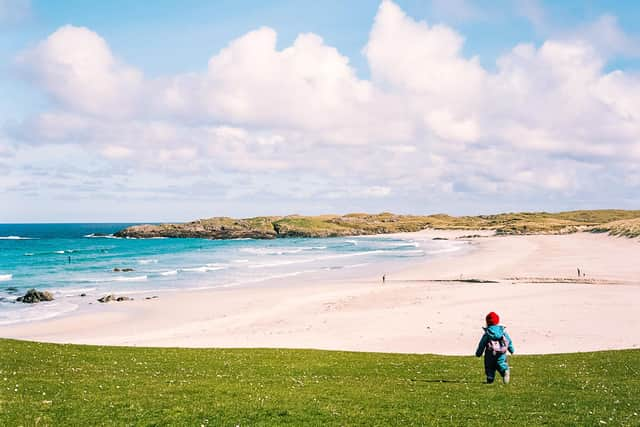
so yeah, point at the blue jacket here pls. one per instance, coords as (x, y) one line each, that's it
(493, 332)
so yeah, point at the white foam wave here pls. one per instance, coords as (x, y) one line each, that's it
(240, 261)
(353, 242)
(281, 251)
(147, 261)
(58, 252)
(5, 277)
(203, 269)
(326, 257)
(101, 236)
(278, 276)
(281, 263)
(169, 273)
(76, 290)
(72, 292)
(33, 312)
(17, 238)
(116, 279)
(130, 278)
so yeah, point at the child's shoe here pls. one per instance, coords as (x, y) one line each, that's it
(507, 376)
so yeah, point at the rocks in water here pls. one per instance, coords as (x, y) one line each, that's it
(123, 270)
(112, 297)
(12, 290)
(83, 295)
(153, 297)
(439, 238)
(34, 296)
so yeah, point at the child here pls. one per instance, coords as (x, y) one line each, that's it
(494, 344)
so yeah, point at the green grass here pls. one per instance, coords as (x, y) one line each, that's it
(623, 228)
(619, 222)
(47, 384)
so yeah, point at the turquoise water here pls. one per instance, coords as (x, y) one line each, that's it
(74, 259)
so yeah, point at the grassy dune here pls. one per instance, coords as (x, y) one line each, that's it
(625, 228)
(48, 384)
(364, 224)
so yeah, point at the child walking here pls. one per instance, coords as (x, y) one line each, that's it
(495, 343)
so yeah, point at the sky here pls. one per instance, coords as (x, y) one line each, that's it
(171, 111)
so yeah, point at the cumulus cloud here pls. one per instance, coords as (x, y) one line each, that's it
(429, 120)
(77, 68)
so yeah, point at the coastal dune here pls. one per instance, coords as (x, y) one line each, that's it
(434, 306)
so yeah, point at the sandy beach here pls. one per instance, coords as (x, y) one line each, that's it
(427, 308)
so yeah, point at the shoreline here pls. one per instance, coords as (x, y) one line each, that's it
(423, 308)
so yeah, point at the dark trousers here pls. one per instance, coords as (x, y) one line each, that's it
(493, 363)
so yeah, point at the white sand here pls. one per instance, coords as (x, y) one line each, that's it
(409, 313)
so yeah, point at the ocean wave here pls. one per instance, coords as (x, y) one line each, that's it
(30, 313)
(72, 292)
(115, 279)
(29, 254)
(352, 254)
(5, 277)
(240, 261)
(353, 242)
(203, 269)
(101, 236)
(130, 278)
(281, 251)
(147, 261)
(169, 273)
(217, 264)
(403, 244)
(278, 276)
(282, 263)
(17, 238)
(326, 257)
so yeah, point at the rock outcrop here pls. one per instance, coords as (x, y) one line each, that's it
(34, 296)
(112, 297)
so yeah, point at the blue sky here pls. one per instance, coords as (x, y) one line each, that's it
(435, 126)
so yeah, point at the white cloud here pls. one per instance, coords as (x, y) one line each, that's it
(299, 123)
(606, 36)
(77, 68)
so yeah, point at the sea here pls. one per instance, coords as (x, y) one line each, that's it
(78, 263)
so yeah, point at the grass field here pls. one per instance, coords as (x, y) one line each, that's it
(48, 384)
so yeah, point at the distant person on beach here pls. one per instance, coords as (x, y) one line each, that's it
(495, 343)
(384, 278)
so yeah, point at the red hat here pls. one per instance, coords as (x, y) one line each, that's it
(492, 319)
